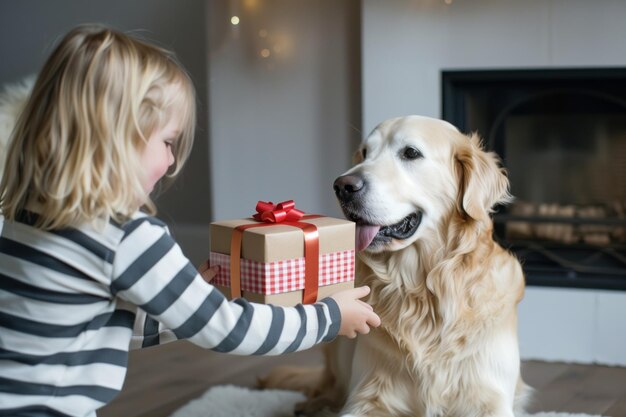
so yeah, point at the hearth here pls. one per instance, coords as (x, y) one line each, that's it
(561, 134)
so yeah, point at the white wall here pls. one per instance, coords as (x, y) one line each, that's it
(406, 44)
(283, 127)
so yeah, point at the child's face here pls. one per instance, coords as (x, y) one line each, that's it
(157, 156)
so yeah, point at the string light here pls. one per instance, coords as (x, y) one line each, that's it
(270, 45)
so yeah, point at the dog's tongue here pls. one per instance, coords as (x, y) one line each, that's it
(364, 235)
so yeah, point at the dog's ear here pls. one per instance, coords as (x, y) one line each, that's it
(357, 156)
(482, 182)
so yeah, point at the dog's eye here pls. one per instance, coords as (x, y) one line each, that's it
(364, 153)
(411, 153)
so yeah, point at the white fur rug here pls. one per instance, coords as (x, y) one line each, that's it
(232, 401)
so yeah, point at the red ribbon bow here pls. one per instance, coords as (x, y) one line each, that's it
(269, 212)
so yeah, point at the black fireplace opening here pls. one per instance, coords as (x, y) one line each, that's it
(561, 135)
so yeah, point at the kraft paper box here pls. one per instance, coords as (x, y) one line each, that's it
(273, 263)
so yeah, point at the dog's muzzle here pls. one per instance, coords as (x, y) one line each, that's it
(350, 191)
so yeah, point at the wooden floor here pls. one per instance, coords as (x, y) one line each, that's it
(162, 379)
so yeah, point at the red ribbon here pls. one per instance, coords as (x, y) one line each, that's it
(268, 212)
(286, 214)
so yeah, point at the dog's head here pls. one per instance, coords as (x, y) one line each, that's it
(414, 174)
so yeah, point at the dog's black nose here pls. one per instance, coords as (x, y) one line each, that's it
(347, 185)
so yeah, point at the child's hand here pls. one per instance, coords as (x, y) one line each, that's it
(356, 315)
(208, 272)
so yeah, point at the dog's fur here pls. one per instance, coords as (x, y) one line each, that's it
(447, 295)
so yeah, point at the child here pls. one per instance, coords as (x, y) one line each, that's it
(83, 273)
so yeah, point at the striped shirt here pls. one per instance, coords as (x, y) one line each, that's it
(74, 301)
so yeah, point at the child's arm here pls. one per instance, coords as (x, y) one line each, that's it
(357, 316)
(150, 271)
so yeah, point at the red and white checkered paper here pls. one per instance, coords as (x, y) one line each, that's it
(285, 275)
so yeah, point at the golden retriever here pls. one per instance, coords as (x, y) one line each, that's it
(421, 195)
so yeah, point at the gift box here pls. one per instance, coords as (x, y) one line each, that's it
(283, 257)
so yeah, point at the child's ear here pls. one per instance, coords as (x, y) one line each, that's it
(482, 182)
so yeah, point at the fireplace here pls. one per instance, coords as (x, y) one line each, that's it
(561, 134)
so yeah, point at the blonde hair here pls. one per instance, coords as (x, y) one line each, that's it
(76, 147)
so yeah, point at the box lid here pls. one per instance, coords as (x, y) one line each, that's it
(279, 241)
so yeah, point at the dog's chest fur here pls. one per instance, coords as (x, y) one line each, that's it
(433, 334)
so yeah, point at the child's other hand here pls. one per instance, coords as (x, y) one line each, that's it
(356, 315)
(208, 272)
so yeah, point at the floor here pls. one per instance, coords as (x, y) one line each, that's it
(162, 379)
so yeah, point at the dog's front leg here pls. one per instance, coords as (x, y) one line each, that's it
(380, 394)
(486, 401)
(499, 411)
